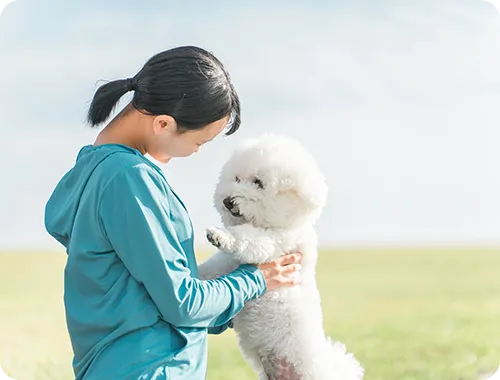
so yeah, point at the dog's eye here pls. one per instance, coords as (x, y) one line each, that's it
(259, 183)
(237, 179)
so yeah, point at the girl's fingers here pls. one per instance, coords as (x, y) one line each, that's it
(293, 258)
(287, 281)
(289, 269)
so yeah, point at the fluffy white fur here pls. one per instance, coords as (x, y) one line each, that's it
(269, 195)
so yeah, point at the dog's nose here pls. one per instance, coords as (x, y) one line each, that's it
(228, 203)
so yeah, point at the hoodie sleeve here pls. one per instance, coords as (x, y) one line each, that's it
(135, 216)
(216, 330)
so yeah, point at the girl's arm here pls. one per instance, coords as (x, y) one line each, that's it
(135, 217)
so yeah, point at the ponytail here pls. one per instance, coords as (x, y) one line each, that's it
(188, 83)
(105, 100)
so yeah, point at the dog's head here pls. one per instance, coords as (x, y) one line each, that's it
(270, 182)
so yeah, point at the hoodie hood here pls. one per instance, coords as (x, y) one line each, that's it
(62, 206)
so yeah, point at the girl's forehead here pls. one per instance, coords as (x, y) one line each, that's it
(215, 128)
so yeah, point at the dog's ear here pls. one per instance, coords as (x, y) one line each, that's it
(312, 191)
(310, 197)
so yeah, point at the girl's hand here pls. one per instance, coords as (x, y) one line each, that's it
(276, 272)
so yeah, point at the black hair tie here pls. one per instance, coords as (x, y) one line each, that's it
(130, 84)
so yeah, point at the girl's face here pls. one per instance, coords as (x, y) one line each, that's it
(167, 142)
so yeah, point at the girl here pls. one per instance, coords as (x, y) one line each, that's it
(135, 307)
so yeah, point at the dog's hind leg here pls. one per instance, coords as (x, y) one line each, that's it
(278, 368)
(253, 357)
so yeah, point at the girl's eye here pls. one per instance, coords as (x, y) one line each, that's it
(259, 183)
(237, 179)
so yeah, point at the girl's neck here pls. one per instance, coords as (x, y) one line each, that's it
(125, 129)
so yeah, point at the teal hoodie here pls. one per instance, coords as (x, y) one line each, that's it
(135, 307)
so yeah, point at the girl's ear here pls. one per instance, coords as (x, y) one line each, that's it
(164, 124)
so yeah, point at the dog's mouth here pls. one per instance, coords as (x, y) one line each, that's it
(232, 207)
(236, 213)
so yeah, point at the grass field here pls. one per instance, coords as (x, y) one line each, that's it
(406, 314)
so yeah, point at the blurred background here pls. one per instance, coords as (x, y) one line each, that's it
(399, 101)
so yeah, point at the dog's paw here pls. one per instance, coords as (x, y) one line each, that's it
(219, 238)
(212, 236)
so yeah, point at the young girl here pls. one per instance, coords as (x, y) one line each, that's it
(135, 307)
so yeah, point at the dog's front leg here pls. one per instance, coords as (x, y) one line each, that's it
(219, 264)
(247, 244)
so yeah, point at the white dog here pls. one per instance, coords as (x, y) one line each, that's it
(269, 195)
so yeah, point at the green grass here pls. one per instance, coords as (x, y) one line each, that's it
(407, 315)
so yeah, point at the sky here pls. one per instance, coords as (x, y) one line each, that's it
(399, 101)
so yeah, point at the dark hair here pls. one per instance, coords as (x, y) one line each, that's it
(188, 83)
